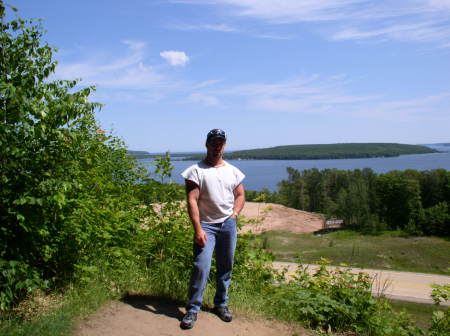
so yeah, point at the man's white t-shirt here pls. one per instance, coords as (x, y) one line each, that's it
(216, 185)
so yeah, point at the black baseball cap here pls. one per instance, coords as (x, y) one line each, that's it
(215, 133)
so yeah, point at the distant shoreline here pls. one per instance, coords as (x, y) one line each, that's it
(308, 152)
(325, 152)
(262, 159)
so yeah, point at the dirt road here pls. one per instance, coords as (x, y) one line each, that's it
(405, 286)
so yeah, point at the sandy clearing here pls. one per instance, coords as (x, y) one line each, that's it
(141, 315)
(271, 216)
(278, 217)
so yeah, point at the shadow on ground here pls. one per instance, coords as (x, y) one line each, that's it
(156, 305)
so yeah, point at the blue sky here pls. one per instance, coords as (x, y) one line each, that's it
(267, 72)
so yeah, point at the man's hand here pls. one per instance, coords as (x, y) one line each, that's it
(200, 238)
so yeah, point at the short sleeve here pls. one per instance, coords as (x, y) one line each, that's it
(191, 174)
(239, 176)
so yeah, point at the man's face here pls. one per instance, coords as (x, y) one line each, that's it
(216, 147)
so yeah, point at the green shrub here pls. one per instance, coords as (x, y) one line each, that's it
(440, 321)
(17, 280)
(66, 185)
(337, 299)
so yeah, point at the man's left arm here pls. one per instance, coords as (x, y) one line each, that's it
(239, 200)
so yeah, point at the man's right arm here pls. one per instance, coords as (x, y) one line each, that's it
(193, 194)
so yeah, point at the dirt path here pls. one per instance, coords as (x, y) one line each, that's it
(405, 286)
(148, 316)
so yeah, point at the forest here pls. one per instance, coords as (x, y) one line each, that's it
(416, 202)
(327, 151)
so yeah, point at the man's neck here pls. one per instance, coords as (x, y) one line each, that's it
(214, 162)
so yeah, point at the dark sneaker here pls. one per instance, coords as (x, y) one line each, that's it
(188, 320)
(224, 314)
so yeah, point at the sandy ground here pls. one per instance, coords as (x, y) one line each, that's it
(405, 286)
(271, 216)
(140, 315)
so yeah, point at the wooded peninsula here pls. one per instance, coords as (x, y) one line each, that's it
(325, 151)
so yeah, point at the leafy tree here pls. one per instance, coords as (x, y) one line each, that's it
(434, 187)
(316, 189)
(436, 220)
(399, 199)
(293, 191)
(370, 202)
(354, 204)
(65, 184)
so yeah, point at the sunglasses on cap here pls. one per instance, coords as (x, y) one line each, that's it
(215, 134)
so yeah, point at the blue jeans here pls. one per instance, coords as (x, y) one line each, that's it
(222, 238)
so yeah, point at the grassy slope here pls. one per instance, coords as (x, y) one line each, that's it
(388, 251)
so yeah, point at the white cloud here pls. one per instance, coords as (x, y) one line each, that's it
(426, 108)
(224, 28)
(202, 99)
(130, 77)
(307, 94)
(271, 36)
(213, 27)
(127, 72)
(207, 83)
(290, 11)
(406, 20)
(331, 96)
(439, 4)
(421, 32)
(175, 58)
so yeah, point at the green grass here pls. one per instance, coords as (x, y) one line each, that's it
(390, 251)
(420, 312)
(58, 320)
(59, 316)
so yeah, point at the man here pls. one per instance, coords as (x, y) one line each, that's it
(215, 196)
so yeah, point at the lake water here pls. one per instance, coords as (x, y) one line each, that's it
(267, 173)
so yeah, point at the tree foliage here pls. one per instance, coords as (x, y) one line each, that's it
(413, 201)
(327, 151)
(63, 181)
(73, 204)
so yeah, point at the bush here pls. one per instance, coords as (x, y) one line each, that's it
(17, 281)
(66, 185)
(337, 299)
(440, 321)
